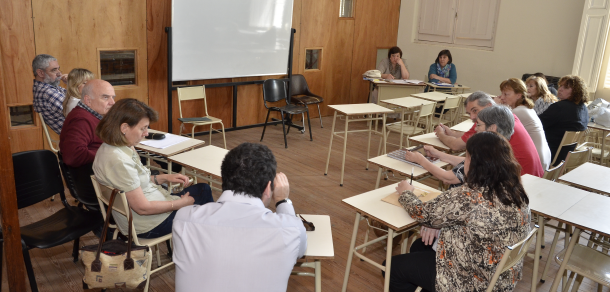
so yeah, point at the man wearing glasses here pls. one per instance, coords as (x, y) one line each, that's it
(48, 95)
(236, 243)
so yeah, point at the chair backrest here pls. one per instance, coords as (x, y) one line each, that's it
(451, 103)
(274, 90)
(427, 111)
(568, 138)
(562, 152)
(575, 159)
(192, 93)
(553, 173)
(37, 177)
(48, 136)
(512, 256)
(298, 85)
(78, 181)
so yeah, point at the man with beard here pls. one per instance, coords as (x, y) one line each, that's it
(48, 96)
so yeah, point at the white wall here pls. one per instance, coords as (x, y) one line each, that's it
(531, 36)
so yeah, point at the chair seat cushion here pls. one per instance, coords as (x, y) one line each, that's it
(65, 225)
(306, 99)
(292, 109)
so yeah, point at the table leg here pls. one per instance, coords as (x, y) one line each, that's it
(566, 258)
(379, 172)
(344, 149)
(330, 147)
(388, 260)
(402, 125)
(601, 158)
(318, 271)
(368, 148)
(539, 237)
(350, 256)
(384, 134)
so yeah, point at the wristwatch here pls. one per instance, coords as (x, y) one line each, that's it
(283, 201)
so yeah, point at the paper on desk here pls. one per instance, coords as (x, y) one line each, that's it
(170, 140)
(429, 195)
(406, 81)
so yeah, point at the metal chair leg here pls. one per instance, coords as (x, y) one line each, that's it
(309, 124)
(265, 127)
(284, 130)
(320, 116)
(75, 249)
(29, 269)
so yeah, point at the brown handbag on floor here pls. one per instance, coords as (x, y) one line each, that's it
(115, 263)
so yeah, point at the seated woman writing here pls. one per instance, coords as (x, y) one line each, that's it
(453, 177)
(477, 220)
(118, 165)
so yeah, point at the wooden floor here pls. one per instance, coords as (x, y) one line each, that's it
(311, 192)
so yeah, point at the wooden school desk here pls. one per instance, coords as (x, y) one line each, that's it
(605, 131)
(389, 90)
(405, 103)
(362, 109)
(454, 89)
(432, 140)
(400, 167)
(371, 206)
(589, 176)
(432, 96)
(203, 163)
(319, 247)
(167, 152)
(463, 126)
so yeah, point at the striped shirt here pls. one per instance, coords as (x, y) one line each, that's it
(48, 100)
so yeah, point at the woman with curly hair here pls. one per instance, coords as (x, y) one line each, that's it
(568, 114)
(540, 93)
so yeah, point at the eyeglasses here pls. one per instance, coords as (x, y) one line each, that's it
(308, 225)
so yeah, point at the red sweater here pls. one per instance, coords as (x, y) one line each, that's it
(77, 141)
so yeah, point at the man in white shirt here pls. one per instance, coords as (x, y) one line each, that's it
(236, 243)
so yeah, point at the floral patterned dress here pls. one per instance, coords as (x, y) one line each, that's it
(474, 232)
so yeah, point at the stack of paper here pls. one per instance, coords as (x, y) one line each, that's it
(170, 140)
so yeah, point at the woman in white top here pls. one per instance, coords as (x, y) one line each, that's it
(118, 165)
(77, 78)
(514, 95)
(539, 92)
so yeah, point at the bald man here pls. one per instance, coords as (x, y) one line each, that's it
(78, 142)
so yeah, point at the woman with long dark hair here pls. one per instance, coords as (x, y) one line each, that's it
(477, 220)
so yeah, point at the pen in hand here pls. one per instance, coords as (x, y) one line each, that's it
(411, 176)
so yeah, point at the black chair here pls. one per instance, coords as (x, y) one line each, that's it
(300, 94)
(274, 90)
(78, 181)
(37, 178)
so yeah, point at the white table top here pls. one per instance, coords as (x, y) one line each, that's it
(360, 109)
(589, 176)
(430, 139)
(463, 126)
(550, 198)
(171, 150)
(207, 159)
(320, 241)
(433, 96)
(371, 205)
(597, 126)
(401, 167)
(407, 102)
(590, 213)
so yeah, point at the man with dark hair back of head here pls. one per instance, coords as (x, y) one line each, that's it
(48, 96)
(236, 243)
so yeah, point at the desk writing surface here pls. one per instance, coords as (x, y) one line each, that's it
(372, 205)
(597, 126)
(207, 159)
(463, 126)
(319, 241)
(171, 150)
(360, 109)
(402, 167)
(589, 176)
(430, 139)
(407, 102)
(590, 213)
(550, 198)
(432, 96)
(384, 83)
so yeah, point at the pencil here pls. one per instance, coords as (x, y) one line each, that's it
(411, 175)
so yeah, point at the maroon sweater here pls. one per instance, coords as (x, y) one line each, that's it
(77, 141)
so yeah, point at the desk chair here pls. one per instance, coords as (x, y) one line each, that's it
(568, 138)
(575, 159)
(53, 144)
(563, 151)
(275, 90)
(120, 205)
(300, 94)
(194, 93)
(451, 104)
(79, 184)
(37, 178)
(586, 262)
(411, 127)
(511, 257)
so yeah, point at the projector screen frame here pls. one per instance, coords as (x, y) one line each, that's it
(171, 88)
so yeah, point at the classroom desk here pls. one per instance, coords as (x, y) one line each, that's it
(167, 152)
(605, 131)
(589, 176)
(205, 163)
(455, 89)
(406, 103)
(432, 140)
(370, 205)
(464, 126)
(319, 247)
(389, 90)
(400, 167)
(362, 109)
(433, 96)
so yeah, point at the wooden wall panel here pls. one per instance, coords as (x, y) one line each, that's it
(219, 100)
(158, 18)
(74, 30)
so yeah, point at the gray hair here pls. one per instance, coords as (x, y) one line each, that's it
(501, 116)
(41, 62)
(482, 98)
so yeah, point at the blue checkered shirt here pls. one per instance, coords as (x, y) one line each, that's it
(48, 100)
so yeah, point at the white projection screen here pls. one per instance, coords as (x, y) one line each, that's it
(230, 38)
